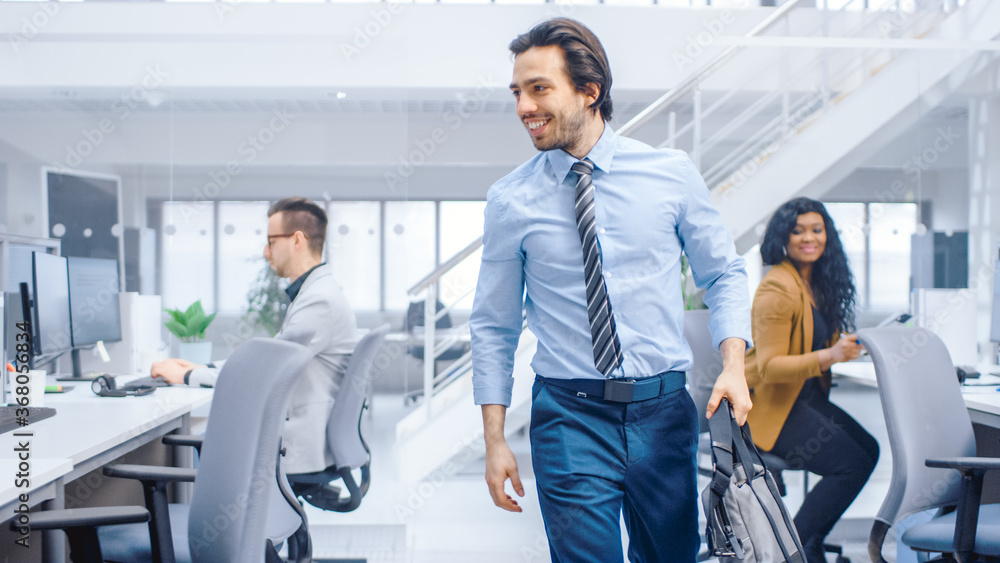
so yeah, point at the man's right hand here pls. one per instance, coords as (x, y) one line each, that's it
(172, 369)
(500, 461)
(501, 465)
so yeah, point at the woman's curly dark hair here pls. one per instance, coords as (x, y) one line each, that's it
(831, 280)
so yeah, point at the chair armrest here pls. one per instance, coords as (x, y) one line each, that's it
(152, 473)
(78, 517)
(973, 470)
(965, 463)
(154, 488)
(194, 441)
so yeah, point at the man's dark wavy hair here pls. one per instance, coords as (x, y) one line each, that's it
(586, 60)
(831, 280)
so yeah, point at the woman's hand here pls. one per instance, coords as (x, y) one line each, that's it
(846, 348)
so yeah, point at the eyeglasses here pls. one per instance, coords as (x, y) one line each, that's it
(270, 242)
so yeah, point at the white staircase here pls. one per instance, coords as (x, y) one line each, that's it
(453, 437)
(831, 144)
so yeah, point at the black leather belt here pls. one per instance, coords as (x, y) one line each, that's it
(625, 390)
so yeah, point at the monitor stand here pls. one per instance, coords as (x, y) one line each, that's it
(77, 374)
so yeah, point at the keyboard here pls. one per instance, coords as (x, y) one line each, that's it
(148, 381)
(10, 421)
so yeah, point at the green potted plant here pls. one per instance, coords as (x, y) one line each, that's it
(690, 294)
(189, 326)
(267, 302)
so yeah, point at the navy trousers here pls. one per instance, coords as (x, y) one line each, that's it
(596, 460)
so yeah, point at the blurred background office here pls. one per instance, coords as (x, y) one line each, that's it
(158, 133)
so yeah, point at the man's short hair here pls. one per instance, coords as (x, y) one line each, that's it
(586, 60)
(300, 214)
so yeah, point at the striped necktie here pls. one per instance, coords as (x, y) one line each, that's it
(607, 348)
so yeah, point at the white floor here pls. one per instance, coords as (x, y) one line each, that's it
(451, 518)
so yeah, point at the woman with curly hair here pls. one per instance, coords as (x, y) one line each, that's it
(801, 308)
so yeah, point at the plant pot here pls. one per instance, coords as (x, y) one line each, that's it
(196, 352)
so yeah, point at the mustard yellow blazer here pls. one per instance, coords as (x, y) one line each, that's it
(782, 357)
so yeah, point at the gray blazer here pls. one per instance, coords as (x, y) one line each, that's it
(320, 306)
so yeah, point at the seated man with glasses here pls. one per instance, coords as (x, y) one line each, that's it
(296, 231)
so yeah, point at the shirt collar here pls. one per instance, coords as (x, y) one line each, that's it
(293, 289)
(600, 155)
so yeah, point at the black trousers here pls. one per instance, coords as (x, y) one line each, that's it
(820, 437)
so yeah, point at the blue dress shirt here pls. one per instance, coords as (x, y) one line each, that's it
(650, 205)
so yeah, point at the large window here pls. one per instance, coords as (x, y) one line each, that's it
(409, 248)
(461, 223)
(354, 250)
(241, 232)
(213, 251)
(188, 262)
(876, 238)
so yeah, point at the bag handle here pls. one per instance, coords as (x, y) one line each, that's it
(721, 436)
(746, 451)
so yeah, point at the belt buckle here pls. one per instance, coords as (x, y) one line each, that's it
(619, 391)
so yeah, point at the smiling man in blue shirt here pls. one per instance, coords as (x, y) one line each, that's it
(613, 432)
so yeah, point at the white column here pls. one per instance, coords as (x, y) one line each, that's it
(984, 205)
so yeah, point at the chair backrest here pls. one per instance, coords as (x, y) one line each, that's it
(238, 467)
(343, 431)
(707, 362)
(924, 414)
(415, 316)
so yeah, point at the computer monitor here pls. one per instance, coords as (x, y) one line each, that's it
(95, 313)
(93, 297)
(49, 307)
(995, 320)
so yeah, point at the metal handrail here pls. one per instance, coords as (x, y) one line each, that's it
(701, 73)
(443, 269)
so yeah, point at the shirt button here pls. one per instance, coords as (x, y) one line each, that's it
(607, 274)
(602, 230)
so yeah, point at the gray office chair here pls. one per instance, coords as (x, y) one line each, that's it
(701, 380)
(344, 435)
(240, 509)
(930, 435)
(415, 319)
(707, 364)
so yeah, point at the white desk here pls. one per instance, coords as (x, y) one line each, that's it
(859, 371)
(984, 408)
(41, 487)
(983, 401)
(87, 432)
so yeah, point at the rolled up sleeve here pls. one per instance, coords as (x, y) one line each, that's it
(716, 266)
(496, 320)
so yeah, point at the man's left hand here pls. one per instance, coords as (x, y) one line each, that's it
(732, 382)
